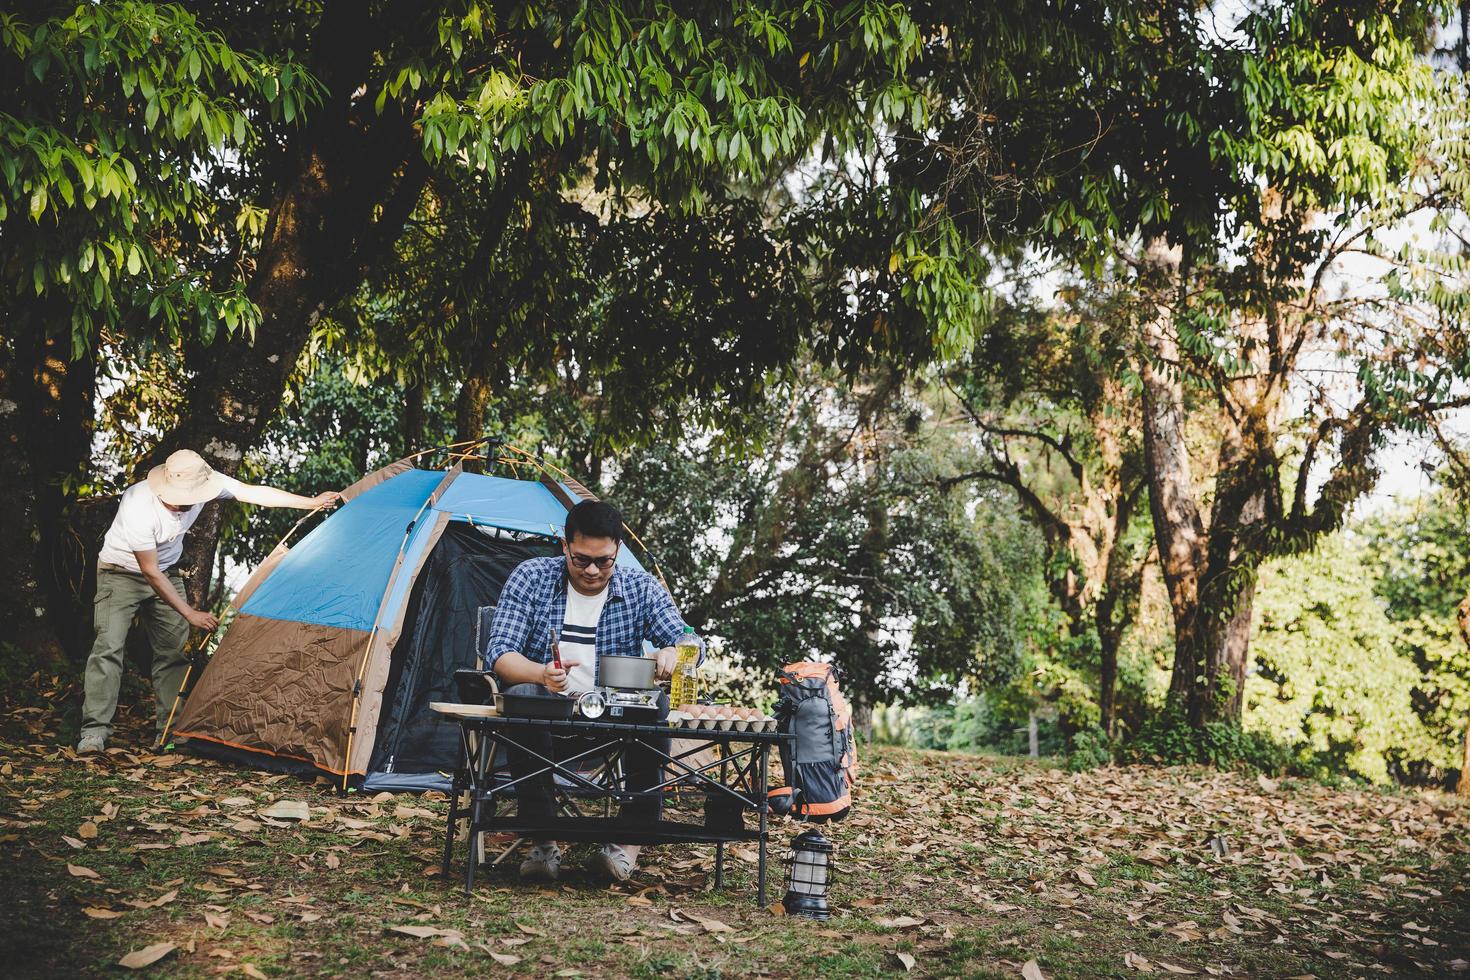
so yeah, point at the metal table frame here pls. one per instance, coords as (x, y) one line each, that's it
(740, 773)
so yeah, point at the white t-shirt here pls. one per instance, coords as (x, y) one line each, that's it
(143, 523)
(579, 638)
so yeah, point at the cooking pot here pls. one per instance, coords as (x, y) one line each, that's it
(627, 672)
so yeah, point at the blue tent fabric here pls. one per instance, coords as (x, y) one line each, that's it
(337, 574)
(516, 505)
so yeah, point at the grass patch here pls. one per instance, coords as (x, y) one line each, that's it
(970, 865)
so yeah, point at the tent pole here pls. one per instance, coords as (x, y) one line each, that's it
(356, 700)
(168, 725)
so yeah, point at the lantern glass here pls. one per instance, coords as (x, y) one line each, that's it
(808, 875)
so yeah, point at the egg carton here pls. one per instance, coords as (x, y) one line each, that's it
(680, 719)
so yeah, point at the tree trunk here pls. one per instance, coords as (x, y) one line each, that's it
(351, 165)
(46, 422)
(1224, 646)
(1178, 526)
(1462, 786)
(1107, 682)
(469, 411)
(414, 419)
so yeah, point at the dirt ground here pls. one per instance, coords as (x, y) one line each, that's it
(951, 865)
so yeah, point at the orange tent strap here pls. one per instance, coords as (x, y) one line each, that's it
(279, 755)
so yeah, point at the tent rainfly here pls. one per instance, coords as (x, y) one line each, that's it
(341, 642)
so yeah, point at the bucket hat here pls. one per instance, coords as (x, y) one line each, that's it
(185, 479)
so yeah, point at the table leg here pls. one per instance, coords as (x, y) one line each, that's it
(720, 865)
(454, 791)
(764, 808)
(476, 811)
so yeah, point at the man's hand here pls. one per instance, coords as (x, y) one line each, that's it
(554, 678)
(327, 498)
(667, 659)
(201, 620)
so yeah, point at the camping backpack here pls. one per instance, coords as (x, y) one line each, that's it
(821, 765)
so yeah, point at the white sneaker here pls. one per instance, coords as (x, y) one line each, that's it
(91, 745)
(543, 863)
(614, 862)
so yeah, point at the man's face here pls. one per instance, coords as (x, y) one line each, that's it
(597, 554)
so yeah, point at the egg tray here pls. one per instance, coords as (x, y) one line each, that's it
(679, 719)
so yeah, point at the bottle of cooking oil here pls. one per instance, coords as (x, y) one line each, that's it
(684, 688)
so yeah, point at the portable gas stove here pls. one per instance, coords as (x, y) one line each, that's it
(630, 704)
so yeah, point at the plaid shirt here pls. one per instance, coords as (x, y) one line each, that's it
(534, 601)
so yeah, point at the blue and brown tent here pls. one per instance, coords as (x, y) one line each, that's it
(342, 641)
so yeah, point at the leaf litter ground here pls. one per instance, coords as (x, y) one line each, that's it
(951, 865)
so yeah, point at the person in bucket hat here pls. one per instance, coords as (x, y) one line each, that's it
(136, 576)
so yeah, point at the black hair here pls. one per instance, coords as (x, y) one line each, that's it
(594, 519)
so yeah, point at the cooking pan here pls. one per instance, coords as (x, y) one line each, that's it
(634, 673)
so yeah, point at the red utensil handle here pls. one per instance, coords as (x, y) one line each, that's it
(555, 651)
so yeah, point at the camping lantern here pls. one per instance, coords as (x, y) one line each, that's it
(808, 873)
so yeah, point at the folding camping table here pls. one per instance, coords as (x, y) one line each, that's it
(738, 778)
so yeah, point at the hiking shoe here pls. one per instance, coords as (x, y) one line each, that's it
(543, 863)
(612, 861)
(91, 745)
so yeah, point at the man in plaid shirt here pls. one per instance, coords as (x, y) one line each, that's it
(596, 610)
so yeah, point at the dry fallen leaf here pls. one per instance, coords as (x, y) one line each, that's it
(87, 831)
(146, 956)
(96, 913)
(712, 925)
(77, 871)
(901, 922)
(216, 921)
(1085, 876)
(906, 961)
(505, 959)
(287, 810)
(163, 899)
(1137, 962)
(1031, 970)
(420, 932)
(251, 970)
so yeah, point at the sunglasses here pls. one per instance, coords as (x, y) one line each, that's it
(603, 563)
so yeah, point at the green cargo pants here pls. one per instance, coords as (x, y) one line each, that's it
(121, 595)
